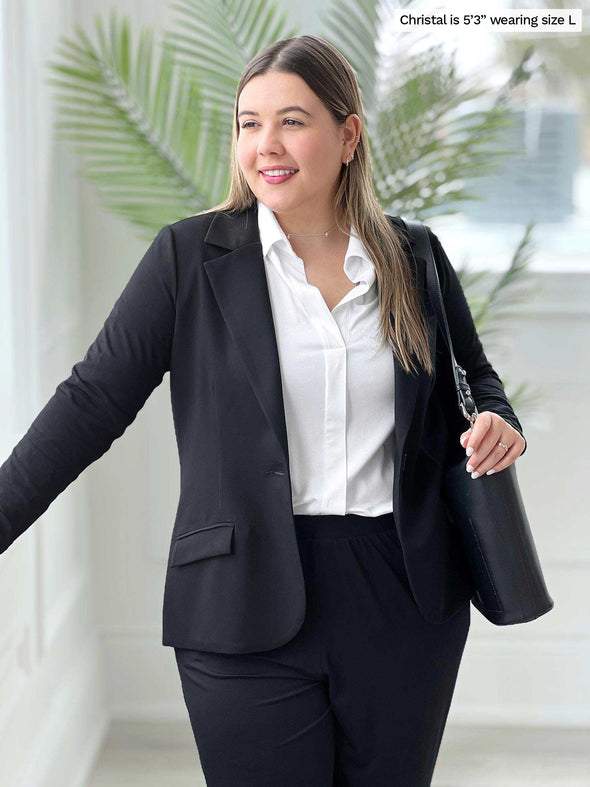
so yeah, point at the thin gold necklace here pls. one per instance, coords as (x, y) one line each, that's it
(310, 234)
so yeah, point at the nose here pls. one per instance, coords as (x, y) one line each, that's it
(268, 142)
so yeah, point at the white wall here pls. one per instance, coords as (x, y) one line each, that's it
(52, 715)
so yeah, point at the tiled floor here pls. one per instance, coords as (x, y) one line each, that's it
(165, 755)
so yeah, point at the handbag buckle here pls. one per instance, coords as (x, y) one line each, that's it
(464, 394)
(469, 416)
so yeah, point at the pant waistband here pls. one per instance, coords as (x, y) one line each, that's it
(336, 525)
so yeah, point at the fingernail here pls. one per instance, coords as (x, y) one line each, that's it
(469, 468)
(490, 472)
(469, 450)
(474, 475)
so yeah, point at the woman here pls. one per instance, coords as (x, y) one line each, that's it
(316, 595)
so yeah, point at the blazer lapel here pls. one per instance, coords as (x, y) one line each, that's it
(238, 280)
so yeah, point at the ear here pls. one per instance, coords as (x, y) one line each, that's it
(352, 129)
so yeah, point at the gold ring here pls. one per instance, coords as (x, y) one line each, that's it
(504, 446)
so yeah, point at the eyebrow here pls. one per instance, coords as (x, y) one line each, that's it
(293, 108)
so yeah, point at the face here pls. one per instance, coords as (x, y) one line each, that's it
(306, 139)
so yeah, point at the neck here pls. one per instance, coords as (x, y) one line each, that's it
(335, 243)
(333, 230)
(314, 224)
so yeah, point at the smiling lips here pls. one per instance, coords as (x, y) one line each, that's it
(278, 178)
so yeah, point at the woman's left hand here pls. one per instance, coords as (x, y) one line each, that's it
(487, 456)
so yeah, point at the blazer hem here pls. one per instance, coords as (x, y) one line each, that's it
(230, 647)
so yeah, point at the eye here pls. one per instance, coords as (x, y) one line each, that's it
(291, 120)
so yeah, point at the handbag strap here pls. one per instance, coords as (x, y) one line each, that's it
(423, 248)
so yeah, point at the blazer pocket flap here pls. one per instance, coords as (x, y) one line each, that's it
(205, 542)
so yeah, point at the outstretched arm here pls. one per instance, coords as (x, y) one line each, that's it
(101, 397)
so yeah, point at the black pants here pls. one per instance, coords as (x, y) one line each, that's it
(358, 698)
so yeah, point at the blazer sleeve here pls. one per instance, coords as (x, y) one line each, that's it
(101, 397)
(486, 386)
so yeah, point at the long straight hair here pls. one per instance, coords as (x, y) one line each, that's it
(329, 74)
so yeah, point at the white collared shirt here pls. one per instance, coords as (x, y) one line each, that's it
(337, 382)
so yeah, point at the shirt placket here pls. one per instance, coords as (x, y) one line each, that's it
(334, 416)
(331, 328)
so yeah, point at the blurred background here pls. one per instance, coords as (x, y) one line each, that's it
(114, 121)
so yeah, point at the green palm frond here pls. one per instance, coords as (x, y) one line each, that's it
(428, 138)
(523, 397)
(425, 147)
(145, 150)
(471, 280)
(352, 26)
(510, 289)
(216, 39)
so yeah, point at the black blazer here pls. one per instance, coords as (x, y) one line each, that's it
(197, 305)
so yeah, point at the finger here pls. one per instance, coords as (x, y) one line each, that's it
(464, 437)
(488, 452)
(509, 457)
(478, 431)
(491, 459)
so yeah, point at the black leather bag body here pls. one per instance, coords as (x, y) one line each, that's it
(488, 511)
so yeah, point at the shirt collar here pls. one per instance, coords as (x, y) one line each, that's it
(358, 266)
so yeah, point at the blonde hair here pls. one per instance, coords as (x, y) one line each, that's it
(329, 74)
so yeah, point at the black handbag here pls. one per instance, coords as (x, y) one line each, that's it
(488, 511)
